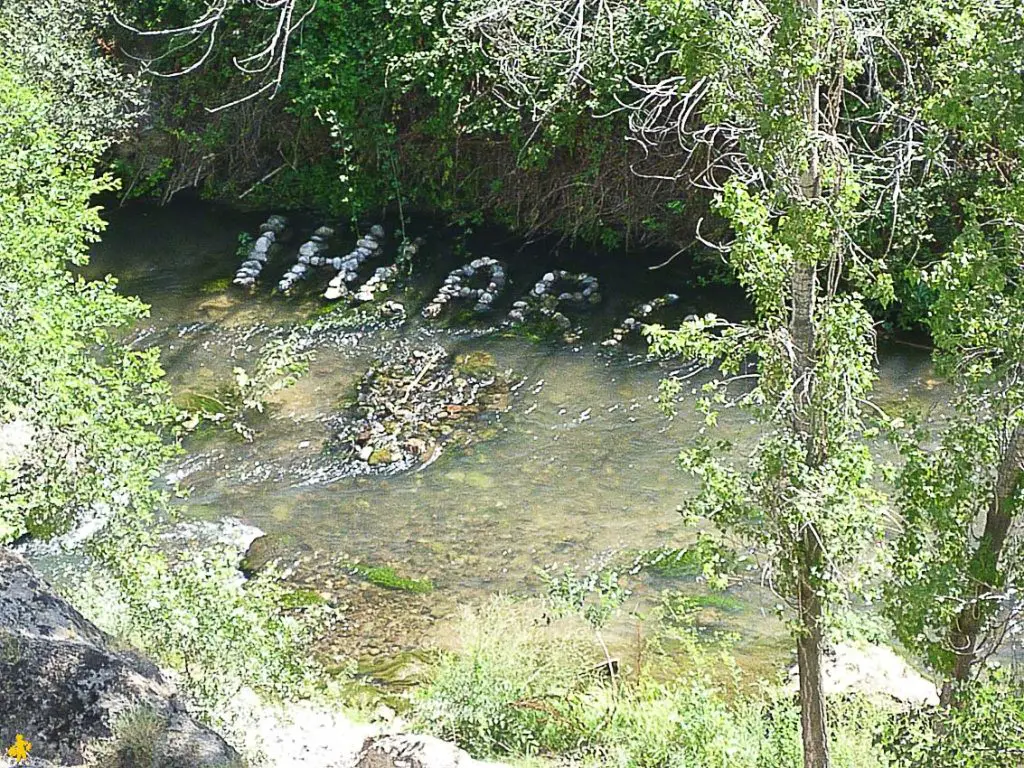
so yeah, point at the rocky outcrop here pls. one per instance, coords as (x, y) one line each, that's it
(64, 687)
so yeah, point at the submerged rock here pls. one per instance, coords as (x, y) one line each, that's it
(65, 686)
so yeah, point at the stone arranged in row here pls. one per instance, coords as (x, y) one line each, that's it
(383, 277)
(376, 284)
(456, 286)
(270, 230)
(311, 254)
(348, 265)
(544, 300)
(640, 312)
(407, 252)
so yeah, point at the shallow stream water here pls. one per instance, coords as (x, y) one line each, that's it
(579, 472)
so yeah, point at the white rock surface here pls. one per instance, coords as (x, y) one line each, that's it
(873, 670)
(296, 735)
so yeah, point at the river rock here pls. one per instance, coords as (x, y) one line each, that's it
(271, 548)
(401, 750)
(413, 403)
(65, 686)
(490, 281)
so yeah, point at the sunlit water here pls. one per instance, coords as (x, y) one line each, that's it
(579, 473)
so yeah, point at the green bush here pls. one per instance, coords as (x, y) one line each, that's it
(138, 740)
(505, 690)
(193, 613)
(985, 731)
(522, 683)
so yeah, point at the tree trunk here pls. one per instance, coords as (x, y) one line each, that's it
(813, 723)
(965, 631)
(802, 331)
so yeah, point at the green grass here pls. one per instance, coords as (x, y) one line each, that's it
(388, 578)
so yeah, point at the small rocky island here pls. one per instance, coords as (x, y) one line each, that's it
(415, 401)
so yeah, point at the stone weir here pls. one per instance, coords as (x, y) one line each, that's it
(310, 255)
(412, 404)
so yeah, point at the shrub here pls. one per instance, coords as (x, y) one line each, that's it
(138, 740)
(521, 683)
(507, 689)
(985, 731)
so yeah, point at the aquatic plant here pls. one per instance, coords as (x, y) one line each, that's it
(388, 578)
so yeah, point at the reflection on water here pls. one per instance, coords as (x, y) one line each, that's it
(580, 469)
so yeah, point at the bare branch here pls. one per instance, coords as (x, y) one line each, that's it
(267, 60)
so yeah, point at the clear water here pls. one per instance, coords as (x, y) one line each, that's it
(579, 471)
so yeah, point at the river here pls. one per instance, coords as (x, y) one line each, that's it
(579, 472)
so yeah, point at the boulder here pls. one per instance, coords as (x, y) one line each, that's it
(64, 687)
(402, 750)
(875, 671)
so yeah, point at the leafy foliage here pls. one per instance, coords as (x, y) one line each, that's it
(520, 685)
(958, 556)
(779, 493)
(192, 612)
(98, 411)
(986, 730)
(91, 425)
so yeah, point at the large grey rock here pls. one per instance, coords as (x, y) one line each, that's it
(64, 687)
(403, 750)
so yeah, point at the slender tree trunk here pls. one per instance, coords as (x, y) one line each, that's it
(813, 722)
(804, 296)
(965, 631)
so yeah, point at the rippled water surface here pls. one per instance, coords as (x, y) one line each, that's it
(579, 471)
